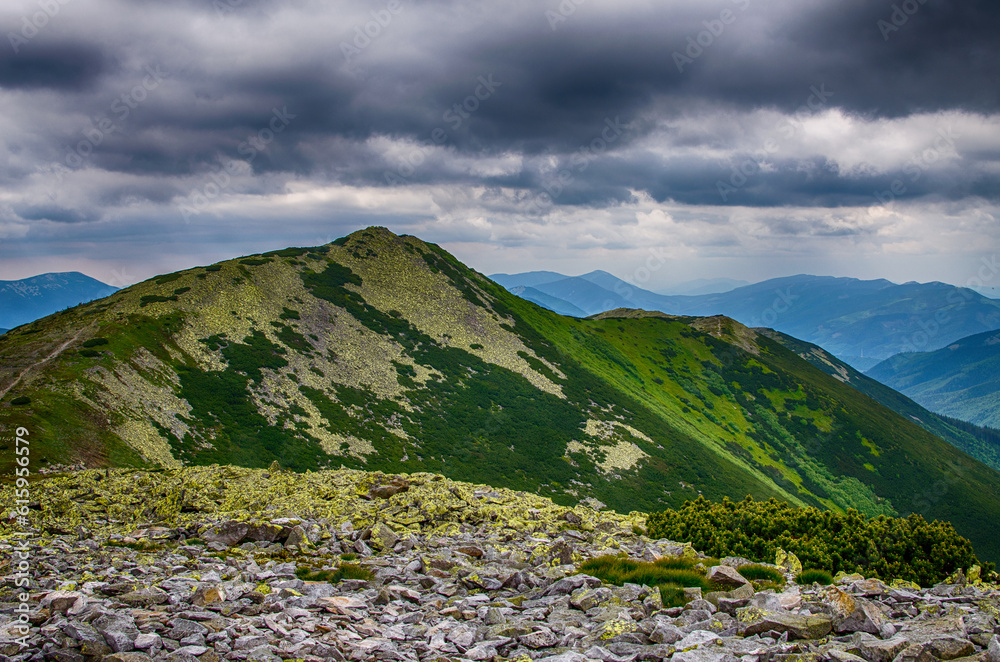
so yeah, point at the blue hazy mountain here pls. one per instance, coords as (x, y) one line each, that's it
(860, 321)
(700, 286)
(29, 299)
(961, 380)
(544, 300)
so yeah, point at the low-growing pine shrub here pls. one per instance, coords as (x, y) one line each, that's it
(908, 548)
(814, 576)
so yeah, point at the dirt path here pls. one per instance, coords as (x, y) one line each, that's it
(55, 353)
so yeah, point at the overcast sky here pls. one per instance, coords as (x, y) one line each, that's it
(737, 138)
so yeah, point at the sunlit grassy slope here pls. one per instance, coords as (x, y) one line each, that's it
(385, 353)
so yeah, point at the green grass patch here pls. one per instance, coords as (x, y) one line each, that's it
(332, 576)
(813, 575)
(621, 570)
(756, 571)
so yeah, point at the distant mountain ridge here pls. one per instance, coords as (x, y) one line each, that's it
(961, 380)
(28, 299)
(860, 321)
(700, 286)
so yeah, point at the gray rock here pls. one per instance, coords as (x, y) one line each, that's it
(726, 577)
(127, 657)
(883, 651)
(797, 626)
(227, 533)
(118, 630)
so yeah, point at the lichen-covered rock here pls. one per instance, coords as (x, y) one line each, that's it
(796, 625)
(479, 576)
(788, 562)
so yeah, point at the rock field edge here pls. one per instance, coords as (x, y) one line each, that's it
(199, 564)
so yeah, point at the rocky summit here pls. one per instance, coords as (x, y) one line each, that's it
(222, 563)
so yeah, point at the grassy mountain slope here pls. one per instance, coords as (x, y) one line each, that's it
(860, 321)
(385, 353)
(28, 299)
(961, 380)
(981, 443)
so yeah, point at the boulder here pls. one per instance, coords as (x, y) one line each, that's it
(227, 533)
(797, 626)
(726, 577)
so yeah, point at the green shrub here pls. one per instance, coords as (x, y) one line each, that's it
(761, 572)
(814, 576)
(908, 548)
(95, 342)
(214, 267)
(154, 298)
(89, 353)
(21, 400)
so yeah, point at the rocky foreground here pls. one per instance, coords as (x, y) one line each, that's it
(200, 564)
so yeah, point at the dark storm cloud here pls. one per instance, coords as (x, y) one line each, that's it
(439, 87)
(67, 66)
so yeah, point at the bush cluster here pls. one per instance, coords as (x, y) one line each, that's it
(908, 548)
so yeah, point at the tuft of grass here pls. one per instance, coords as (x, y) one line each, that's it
(349, 556)
(672, 595)
(761, 572)
(334, 575)
(620, 570)
(674, 562)
(812, 575)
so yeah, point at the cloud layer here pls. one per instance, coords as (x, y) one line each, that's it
(732, 128)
